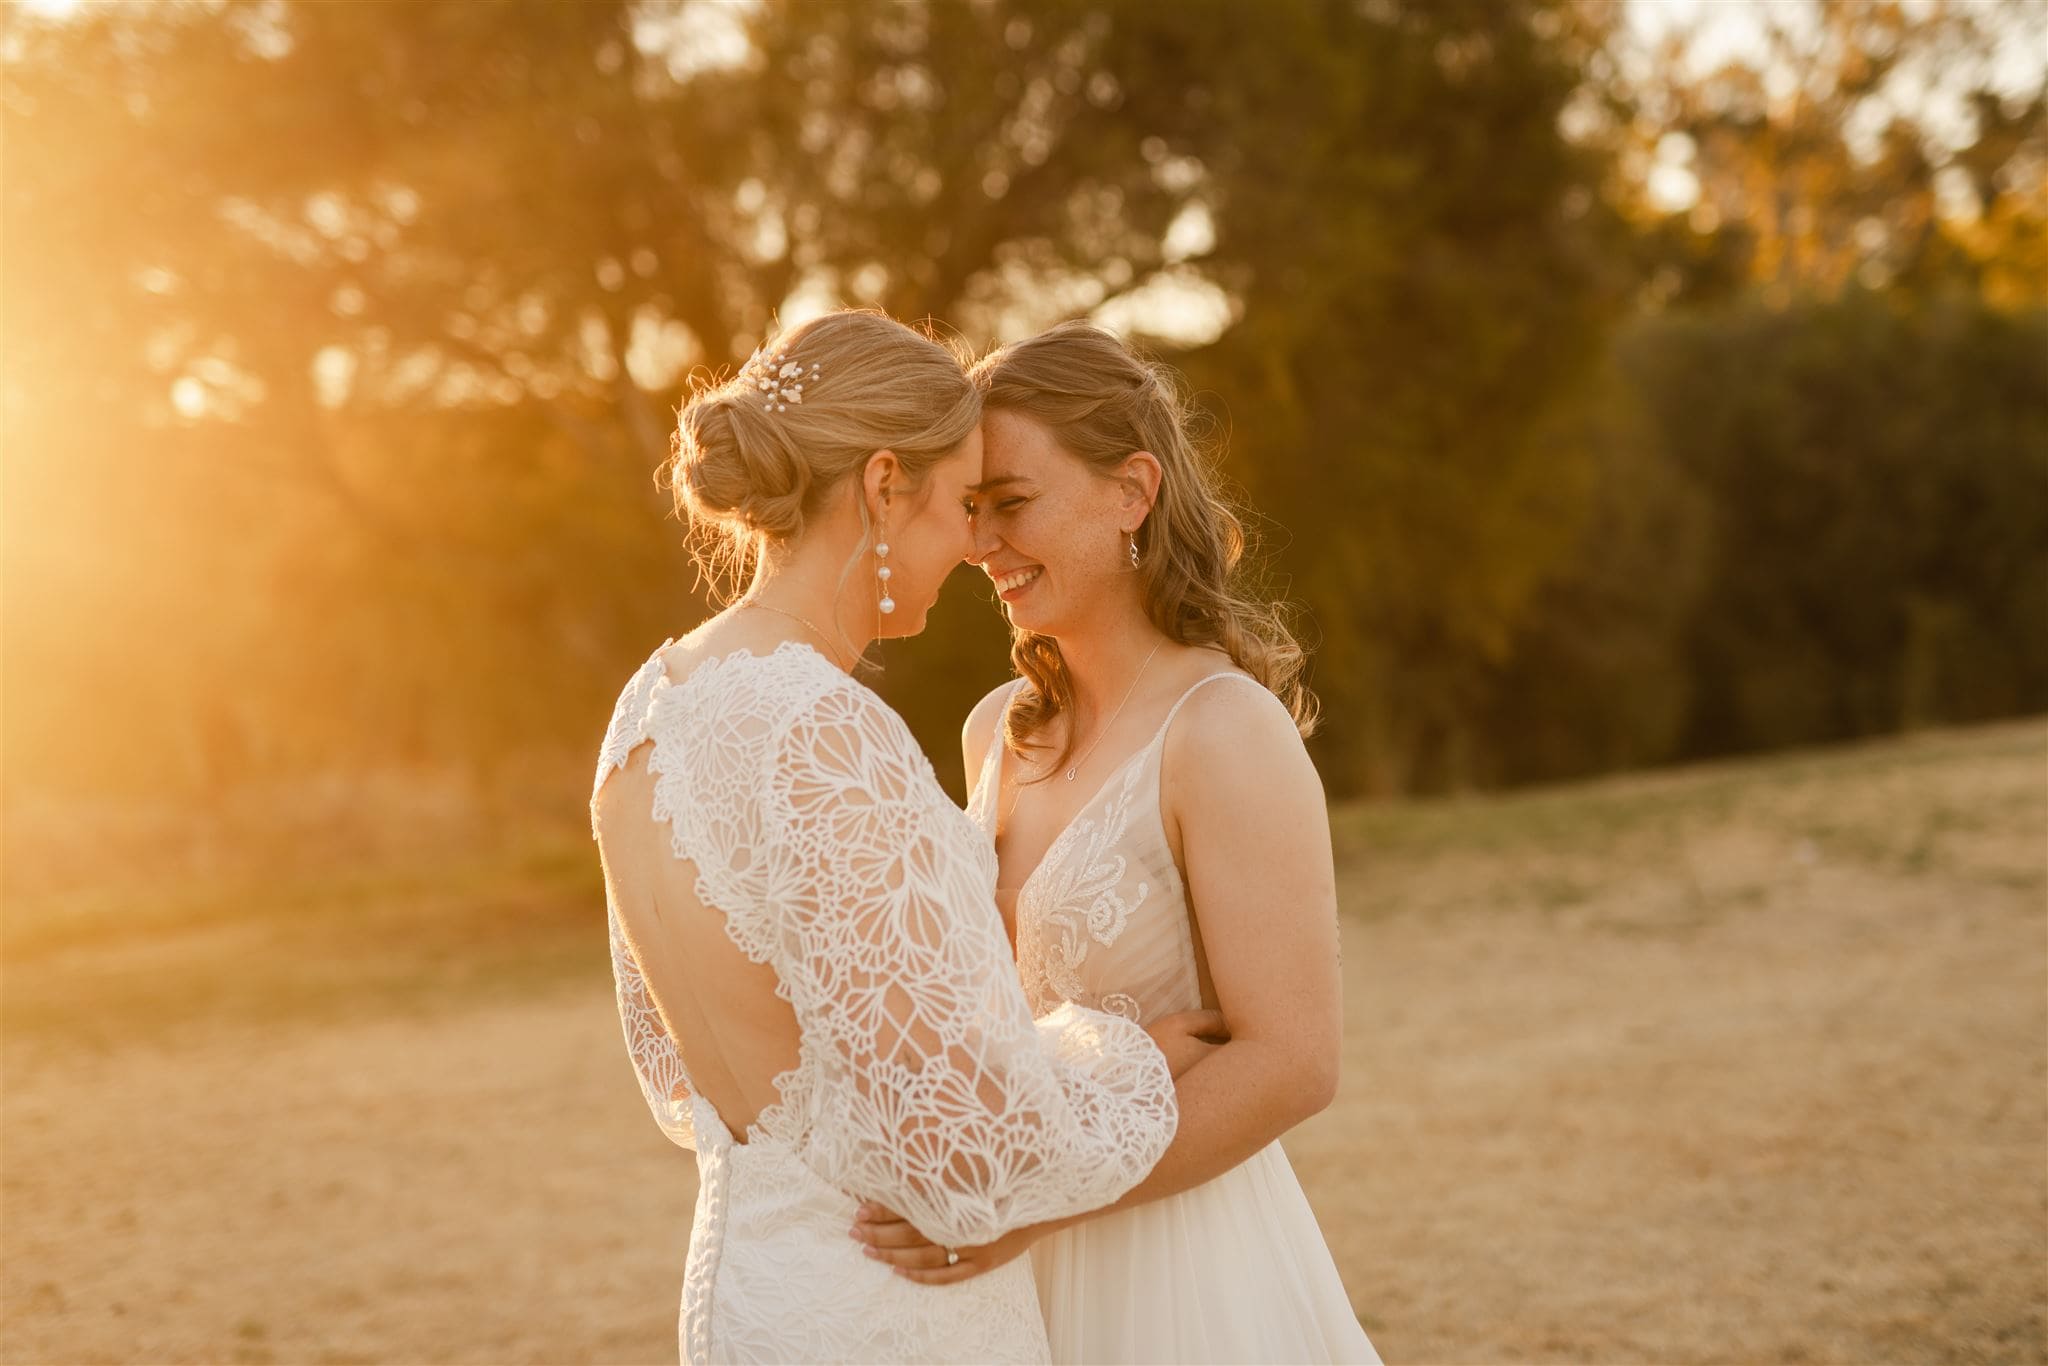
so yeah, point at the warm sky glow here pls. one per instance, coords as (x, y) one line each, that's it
(1731, 31)
(335, 378)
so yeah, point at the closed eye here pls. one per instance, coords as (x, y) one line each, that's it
(975, 509)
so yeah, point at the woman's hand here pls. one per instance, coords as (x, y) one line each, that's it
(1185, 1037)
(890, 1239)
(1188, 1036)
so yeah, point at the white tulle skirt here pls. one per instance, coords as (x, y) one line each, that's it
(1235, 1270)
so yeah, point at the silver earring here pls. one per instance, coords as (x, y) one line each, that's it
(887, 604)
(1134, 549)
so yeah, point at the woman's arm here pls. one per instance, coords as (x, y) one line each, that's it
(1255, 840)
(938, 1092)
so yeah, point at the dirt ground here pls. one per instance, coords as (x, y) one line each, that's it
(1746, 1062)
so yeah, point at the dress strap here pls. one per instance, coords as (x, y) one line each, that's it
(993, 757)
(1182, 700)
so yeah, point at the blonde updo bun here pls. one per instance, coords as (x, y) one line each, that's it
(746, 470)
(736, 468)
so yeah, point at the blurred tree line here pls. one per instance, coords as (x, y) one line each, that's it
(341, 343)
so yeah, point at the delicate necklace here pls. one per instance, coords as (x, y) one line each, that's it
(1075, 767)
(831, 653)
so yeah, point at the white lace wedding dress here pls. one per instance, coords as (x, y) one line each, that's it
(816, 826)
(1236, 1269)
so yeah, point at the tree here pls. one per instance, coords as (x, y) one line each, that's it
(1420, 256)
(1873, 143)
(395, 298)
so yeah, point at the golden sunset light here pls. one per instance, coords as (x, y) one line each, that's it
(1604, 442)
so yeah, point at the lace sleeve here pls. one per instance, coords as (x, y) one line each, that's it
(656, 1063)
(936, 1093)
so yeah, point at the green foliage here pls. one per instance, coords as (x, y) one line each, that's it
(336, 388)
(1403, 341)
(1878, 473)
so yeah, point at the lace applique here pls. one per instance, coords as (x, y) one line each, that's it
(1104, 919)
(1117, 1003)
(1073, 901)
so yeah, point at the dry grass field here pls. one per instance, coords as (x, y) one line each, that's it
(1745, 1062)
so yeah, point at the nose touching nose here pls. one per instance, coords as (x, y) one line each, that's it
(979, 542)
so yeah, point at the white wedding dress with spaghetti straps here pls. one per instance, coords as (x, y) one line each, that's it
(1233, 1270)
(818, 831)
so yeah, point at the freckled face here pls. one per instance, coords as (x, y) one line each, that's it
(1045, 526)
(929, 534)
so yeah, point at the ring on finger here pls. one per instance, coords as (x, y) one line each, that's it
(952, 1257)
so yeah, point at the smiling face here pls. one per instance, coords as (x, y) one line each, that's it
(1048, 529)
(929, 534)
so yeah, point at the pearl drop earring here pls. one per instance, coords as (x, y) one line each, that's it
(887, 604)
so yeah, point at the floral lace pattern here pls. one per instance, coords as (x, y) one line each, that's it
(818, 830)
(1077, 897)
(1103, 920)
(656, 1063)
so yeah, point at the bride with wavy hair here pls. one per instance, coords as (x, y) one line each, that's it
(811, 970)
(1163, 845)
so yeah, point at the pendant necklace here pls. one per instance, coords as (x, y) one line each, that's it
(1075, 767)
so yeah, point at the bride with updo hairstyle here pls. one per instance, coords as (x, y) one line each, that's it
(754, 458)
(810, 970)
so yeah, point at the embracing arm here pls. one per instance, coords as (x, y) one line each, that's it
(936, 1091)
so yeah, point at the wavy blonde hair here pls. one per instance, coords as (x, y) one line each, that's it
(745, 474)
(1102, 401)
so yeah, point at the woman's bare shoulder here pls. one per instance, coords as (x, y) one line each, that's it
(1233, 740)
(978, 731)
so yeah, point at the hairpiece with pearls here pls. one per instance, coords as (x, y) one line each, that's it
(780, 381)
